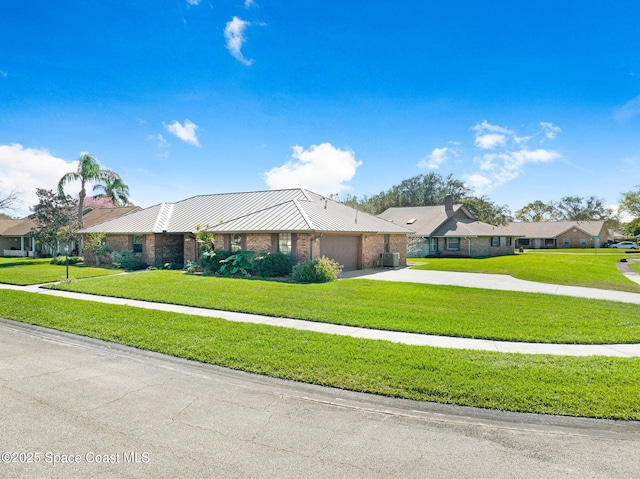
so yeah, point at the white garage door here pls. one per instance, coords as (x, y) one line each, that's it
(343, 249)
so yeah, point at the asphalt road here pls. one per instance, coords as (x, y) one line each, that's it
(74, 407)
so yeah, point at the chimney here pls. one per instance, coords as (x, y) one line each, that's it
(448, 205)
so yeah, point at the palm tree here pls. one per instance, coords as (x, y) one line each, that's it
(88, 171)
(115, 190)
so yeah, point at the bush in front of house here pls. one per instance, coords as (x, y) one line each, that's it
(62, 260)
(210, 260)
(127, 260)
(238, 264)
(319, 270)
(270, 265)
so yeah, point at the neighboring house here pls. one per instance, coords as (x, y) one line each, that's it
(560, 234)
(449, 230)
(297, 222)
(15, 234)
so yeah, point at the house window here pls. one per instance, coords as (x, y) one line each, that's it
(508, 241)
(583, 242)
(137, 243)
(524, 241)
(387, 248)
(433, 244)
(284, 243)
(236, 242)
(566, 242)
(495, 241)
(452, 243)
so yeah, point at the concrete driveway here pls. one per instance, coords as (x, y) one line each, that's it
(119, 412)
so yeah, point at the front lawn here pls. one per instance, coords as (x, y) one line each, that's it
(594, 387)
(418, 308)
(589, 270)
(23, 271)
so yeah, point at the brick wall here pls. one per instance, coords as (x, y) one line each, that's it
(168, 248)
(259, 242)
(480, 247)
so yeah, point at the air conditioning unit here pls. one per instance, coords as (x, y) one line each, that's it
(391, 259)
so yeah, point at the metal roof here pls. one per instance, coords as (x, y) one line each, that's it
(293, 210)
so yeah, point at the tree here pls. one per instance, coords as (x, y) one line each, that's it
(630, 203)
(55, 220)
(483, 209)
(536, 211)
(88, 171)
(115, 190)
(578, 208)
(7, 200)
(421, 190)
(98, 245)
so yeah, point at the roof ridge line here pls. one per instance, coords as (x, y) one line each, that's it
(304, 214)
(164, 216)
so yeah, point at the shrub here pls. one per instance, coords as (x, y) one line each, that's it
(62, 260)
(320, 270)
(270, 265)
(240, 263)
(210, 260)
(173, 266)
(127, 260)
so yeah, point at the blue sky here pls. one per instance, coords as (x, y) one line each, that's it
(524, 101)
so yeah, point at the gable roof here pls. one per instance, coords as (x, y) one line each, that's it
(293, 210)
(434, 221)
(553, 229)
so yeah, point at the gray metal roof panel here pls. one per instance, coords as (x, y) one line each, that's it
(273, 210)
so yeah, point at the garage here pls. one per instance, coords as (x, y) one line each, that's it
(343, 249)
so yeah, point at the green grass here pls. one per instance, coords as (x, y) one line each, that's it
(23, 271)
(419, 308)
(589, 270)
(595, 387)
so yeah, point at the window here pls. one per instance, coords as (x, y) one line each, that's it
(495, 241)
(284, 243)
(137, 243)
(524, 241)
(583, 242)
(387, 248)
(236, 242)
(566, 242)
(433, 244)
(452, 243)
(508, 241)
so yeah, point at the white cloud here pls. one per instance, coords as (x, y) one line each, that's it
(193, 2)
(322, 168)
(162, 142)
(509, 154)
(25, 169)
(437, 157)
(478, 182)
(249, 3)
(628, 110)
(550, 130)
(186, 132)
(234, 36)
(490, 141)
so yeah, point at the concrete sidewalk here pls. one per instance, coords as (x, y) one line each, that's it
(401, 275)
